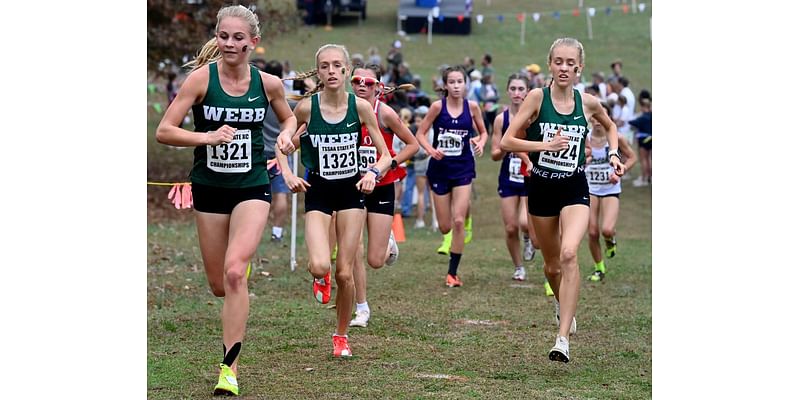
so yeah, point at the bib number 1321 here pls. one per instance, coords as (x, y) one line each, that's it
(235, 156)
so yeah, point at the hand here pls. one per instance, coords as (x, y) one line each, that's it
(477, 146)
(588, 152)
(222, 135)
(619, 167)
(437, 154)
(285, 144)
(613, 179)
(367, 183)
(295, 184)
(558, 143)
(528, 168)
(273, 163)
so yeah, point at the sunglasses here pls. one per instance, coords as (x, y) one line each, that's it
(363, 80)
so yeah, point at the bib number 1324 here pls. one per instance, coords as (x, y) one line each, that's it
(565, 160)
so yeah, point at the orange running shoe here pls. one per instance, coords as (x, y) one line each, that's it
(321, 288)
(452, 281)
(340, 347)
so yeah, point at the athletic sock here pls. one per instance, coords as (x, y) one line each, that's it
(601, 266)
(362, 307)
(455, 259)
(277, 231)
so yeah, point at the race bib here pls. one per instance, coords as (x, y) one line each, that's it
(565, 160)
(233, 157)
(599, 174)
(338, 160)
(514, 166)
(450, 144)
(367, 155)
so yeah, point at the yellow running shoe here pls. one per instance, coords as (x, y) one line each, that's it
(547, 289)
(597, 276)
(447, 239)
(227, 384)
(335, 252)
(611, 248)
(468, 230)
(247, 274)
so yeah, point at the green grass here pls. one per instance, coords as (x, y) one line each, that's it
(418, 328)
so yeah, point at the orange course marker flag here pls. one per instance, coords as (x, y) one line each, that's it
(398, 229)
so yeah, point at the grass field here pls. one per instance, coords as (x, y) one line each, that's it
(488, 339)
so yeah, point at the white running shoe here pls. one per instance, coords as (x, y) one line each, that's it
(560, 352)
(394, 251)
(361, 319)
(419, 224)
(573, 327)
(640, 182)
(529, 251)
(519, 274)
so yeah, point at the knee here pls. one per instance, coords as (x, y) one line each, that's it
(458, 223)
(319, 268)
(376, 261)
(569, 256)
(343, 276)
(511, 230)
(594, 233)
(551, 269)
(235, 276)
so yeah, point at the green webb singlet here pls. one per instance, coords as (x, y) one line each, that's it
(331, 149)
(240, 163)
(573, 125)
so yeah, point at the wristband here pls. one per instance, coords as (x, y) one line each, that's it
(375, 171)
(614, 153)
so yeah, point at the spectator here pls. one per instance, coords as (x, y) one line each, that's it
(417, 97)
(395, 56)
(291, 86)
(403, 75)
(357, 59)
(616, 68)
(373, 56)
(474, 90)
(438, 84)
(644, 137)
(486, 63)
(469, 65)
(627, 92)
(534, 76)
(599, 79)
(420, 162)
(593, 90)
(579, 84)
(489, 97)
(280, 192)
